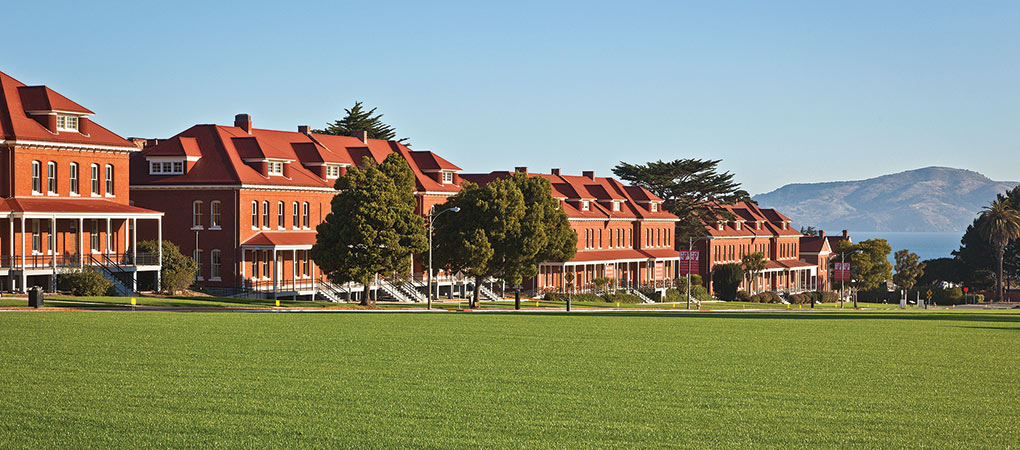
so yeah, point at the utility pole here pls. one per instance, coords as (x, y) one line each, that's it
(690, 247)
(432, 218)
(842, 279)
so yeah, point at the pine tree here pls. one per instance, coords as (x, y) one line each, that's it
(372, 228)
(909, 268)
(358, 119)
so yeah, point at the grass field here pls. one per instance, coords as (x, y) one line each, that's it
(729, 379)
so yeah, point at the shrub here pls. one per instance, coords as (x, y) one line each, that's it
(178, 271)
(800, 299)
(675, 295)
(743, 296)
(767, 297)
(562, 297)
(825, 296)
(86, 282)
(727, 278)
(622, 297)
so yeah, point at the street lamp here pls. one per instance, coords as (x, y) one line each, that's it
(432, 219)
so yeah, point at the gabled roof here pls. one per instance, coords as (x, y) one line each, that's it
(17, 100)
(600, 191)
(224, 149)
(76, 206)
(751, 214)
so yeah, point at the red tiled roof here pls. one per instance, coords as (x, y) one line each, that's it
(16, 124)
(223, 149)
(787, 264)
(76, 206)
(750, 213)
(281, 238)
(624, 254)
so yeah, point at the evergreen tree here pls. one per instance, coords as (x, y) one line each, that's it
(177, 272)
(999, 225)
(726, 278)
(808, 231)
(504, 230)
(754, 264)
(978, 256)
(941, 269)
(909, 269)
(372, 228)
(690, 188)
(358, 119)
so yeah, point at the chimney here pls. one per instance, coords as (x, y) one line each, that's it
(522, 169)
(361, 135)
(303, 129)
(846, 234)
(588, 174)
(555, 171)
(243, 121)
(821, 234)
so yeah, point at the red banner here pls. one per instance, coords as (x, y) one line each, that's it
(660, 270)
(841, 271)
(610, 271)
(688, 263)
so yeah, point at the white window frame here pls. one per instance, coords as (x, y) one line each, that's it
(281, 215)
(447, 177)
(275, 168)
(72, 177)
(51, 178)
(166, 167)
(109, 181)
(585, 205)
(196, 215)
(215, 263)
(94, 179)
(332, 171)
(37, 177)
(306, 211)
(296, 223)
(94, 237)
(265, 214)
(67, 123)
(616, 206)
(254, 215)
(197, 256)
(36, 238)
(215, 212)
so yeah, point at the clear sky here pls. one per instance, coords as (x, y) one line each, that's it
(780, 91)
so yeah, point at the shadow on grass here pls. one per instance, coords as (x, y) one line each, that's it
(785, 315)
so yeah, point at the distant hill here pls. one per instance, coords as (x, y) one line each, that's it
(928, 199)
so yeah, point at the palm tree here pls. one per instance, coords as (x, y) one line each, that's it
(999, 224)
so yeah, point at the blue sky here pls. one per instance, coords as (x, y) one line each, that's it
(780, 91)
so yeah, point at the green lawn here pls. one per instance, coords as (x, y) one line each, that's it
(96, 379)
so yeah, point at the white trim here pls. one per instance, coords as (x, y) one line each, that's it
(172, 158)
(70, 145)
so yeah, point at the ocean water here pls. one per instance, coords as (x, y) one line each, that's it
(927, 245)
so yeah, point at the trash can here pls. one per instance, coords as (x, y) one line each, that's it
(35, 297)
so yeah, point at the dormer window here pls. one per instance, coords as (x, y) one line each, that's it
(276, 168)
(585, 205)
(166, 167)
(721, 225)
(447, 177)
(332, 171)
(655, 207)
(67, 123)
(616, 206)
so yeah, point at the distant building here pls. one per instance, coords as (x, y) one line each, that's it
(818, 250)
(245, 202)
(65, 193)
(623, 234)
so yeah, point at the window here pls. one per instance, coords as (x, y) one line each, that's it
(214, 264)
(166, 167)
(306, 213)
(332, 171)
(255, 264)
(51, 177)
(281, 216)
(265, 214)
(95, 179)
(275, 167)
(305, 272)
(584, 205)
(36, 239)
(297, 216)
(73, 176)
(109, 179)
(616, 206)
(265, 263)
(600, 238)
(94, 237)
(254, 215)
(447, 177)
(196, 214)
(36, 177)
(67, 123)
(198, 262)
(655, 207)
(73, 230)
(214, 214)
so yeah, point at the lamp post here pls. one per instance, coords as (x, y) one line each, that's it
(432, 218)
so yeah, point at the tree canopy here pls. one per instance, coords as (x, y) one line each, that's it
(999, 225)
(869, 262)
(372, 228)
(178, 271)
(726, 279)
(979, 257)
(908, 268)
(356, 119)
(690, 188)
(503, 230)
(754, 263)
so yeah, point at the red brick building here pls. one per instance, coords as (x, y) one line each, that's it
(745, 228)
(245, 201)
(818, 250)
(622, 234)
(64, 193)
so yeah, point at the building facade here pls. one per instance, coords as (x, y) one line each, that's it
(246, 201)
(820, 251)
(623, 235)
(65, 193)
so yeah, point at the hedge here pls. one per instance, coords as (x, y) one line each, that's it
(86, 282)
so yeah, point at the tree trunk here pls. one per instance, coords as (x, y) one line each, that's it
(366, 295)
(999, 280)
(478, 290)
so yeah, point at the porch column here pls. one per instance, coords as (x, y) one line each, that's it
(109, 237)
(293, 275)
(159, 239)
(24, 278)
(10, 237)
(81, 243)
(275, 281)
(563, 277)
(242, 268)
(53, 249)
(134, 240)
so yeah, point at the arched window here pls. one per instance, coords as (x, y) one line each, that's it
(297, 216)
(36, 177)
(196, 214)
(94, 172)
(265, 214)
(281, 216)
(306, 213)
(109, 179)
(73, 177)
(254, 215)
(51, 177)
(214, 264)
(214, 214)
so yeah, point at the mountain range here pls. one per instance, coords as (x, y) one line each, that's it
(928, 199)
